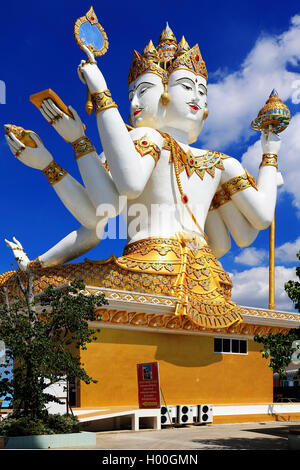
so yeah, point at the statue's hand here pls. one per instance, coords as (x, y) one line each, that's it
(19, 254)
(37, 157)
(270, 142)
(68, 128)
(90, 74)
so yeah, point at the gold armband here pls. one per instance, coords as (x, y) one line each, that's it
(220, 198)
(269, 159)
(238, 183)
(54, 173)
(102, 100)
(82, 147)
(145, 147)
(35, 264)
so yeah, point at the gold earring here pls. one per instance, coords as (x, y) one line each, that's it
(165, 97)
(205, 114)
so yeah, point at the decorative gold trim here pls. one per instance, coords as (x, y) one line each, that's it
(35, 264)
(54, 173)
(102, 100)
(22, 135)
(145, 147)
(269, 159)
(180, 324)
(200, 164)
(239, 183)
(90, 17)
(220, 198)
(82, 146)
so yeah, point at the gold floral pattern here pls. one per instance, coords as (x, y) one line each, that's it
(239, 183)
(201, 164)
(103, 100)
(82, 147)
(54, 173)
(269, 159)
(145, 147)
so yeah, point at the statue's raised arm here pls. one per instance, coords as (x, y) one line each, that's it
(117, 143)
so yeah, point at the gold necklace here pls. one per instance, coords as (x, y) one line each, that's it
(184, 197)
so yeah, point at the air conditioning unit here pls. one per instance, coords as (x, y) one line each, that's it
(166, 415)
(184, 414)
(204, 414)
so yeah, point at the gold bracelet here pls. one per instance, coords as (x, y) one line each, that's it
(54, 173)
(238, 183)
(220, 198)
(102, 100)
(35, 264)
(82, 147)
(269, 159)
(144, 146)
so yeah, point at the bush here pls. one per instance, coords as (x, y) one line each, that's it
(63, 424)
(52, 424)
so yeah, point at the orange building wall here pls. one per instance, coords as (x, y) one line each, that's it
(190, 371)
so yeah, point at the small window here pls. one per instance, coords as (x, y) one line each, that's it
(218, 344)
(233, 346)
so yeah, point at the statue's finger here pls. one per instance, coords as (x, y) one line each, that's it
(46, 111)
(88, 53)
(36, 139)
(16, 141)
(45, 115)
(75, 114)
(11, 147)
(81, 76)
(17, 242)
(52, 106)
(49, 109)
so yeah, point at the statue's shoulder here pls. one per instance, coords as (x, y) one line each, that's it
(137, 133)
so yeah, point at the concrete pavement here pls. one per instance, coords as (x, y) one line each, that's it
(245, 436)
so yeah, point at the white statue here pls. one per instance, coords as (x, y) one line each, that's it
(188, 192)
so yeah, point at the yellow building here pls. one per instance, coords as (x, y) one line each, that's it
(220, 366)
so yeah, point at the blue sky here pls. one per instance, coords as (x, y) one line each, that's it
(248, 51)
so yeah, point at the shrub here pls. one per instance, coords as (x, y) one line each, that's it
(25, 426)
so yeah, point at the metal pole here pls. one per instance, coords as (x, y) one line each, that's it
(272, 265)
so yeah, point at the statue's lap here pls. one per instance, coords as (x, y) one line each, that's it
(185, 269)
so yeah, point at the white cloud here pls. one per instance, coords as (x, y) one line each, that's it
(235, 100)
(251, 287)
(287, 251)
(251, 257)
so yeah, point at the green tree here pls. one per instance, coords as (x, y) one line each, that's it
(43, 336)
(278, 347)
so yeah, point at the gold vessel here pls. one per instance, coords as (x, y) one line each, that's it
(274, 116)
(22, 135)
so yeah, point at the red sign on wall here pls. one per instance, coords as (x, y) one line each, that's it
(148, 385)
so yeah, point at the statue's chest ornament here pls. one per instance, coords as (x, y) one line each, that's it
(207, 162)
(185, 160)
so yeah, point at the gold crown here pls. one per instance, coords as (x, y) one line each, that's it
(167, 57)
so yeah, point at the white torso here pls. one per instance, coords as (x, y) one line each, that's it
(159, 211)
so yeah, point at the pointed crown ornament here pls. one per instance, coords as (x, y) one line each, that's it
(167, 57)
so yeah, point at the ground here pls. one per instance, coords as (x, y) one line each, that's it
(245, 436)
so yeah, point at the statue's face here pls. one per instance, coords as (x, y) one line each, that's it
(188, 95)
(144, 96)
